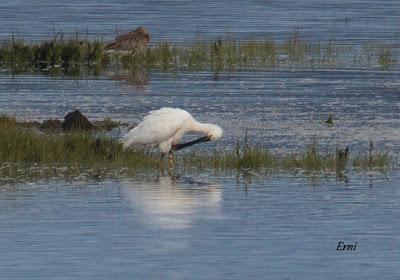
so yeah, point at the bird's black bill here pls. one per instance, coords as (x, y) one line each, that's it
(184, 145)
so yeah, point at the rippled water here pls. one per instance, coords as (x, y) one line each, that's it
(201, 227)
(350, 20)
(282, 110)
(209, 226)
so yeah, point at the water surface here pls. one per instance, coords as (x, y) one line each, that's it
(355, 21)
(282, 110)
(201, 226)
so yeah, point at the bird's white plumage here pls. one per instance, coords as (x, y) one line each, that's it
(166, 127)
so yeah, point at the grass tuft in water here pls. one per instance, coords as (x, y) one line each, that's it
(373, 159)
(27, 147)
(68, 55)
(386, 57)
(107, 124)
(75, 55)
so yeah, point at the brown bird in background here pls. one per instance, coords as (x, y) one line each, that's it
(134, 40)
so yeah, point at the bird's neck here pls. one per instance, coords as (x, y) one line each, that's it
(200, 127)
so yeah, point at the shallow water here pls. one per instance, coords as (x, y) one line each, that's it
(210, 226)
(352, 20)
(282, 110)
(201, 226)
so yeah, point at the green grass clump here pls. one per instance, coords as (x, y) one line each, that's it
(386, 57)
(106, 124)
(249, 158)
(68, 55)
(27, 147)
(76, 55)
(379, 160)
(311, 159)
(72, 149)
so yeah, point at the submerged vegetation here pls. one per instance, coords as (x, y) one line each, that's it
(77, 56)
(26, 149)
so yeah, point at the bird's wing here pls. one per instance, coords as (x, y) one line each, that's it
(157, 127)
(122, 41)
(125, 36)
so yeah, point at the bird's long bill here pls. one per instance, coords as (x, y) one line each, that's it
(184, 145)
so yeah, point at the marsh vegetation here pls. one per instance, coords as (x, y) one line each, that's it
(78, 56)
(26, 150)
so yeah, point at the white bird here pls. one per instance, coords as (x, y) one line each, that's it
(166, 127)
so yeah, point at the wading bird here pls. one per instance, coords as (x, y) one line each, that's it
(166, 127)
(138, 39)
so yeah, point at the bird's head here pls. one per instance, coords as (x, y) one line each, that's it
(214, 132)
(142, 30)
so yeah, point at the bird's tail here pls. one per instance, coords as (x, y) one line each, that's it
(126, 141)
(123, 141)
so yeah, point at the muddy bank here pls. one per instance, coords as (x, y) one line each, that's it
(73, 121)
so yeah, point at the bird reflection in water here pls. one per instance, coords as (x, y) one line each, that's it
(137, 78)
(173, 203)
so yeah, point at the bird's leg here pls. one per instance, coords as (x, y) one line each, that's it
(171, 158)
(162, 156)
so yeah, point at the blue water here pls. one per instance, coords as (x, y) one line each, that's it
(282, 110)
(352, 20)
(201, 226)
(205, 225)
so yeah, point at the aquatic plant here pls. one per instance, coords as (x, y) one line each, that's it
(385, 57)
(24, 148)
(68, 55)
(107, 124)
(27, 146)
(373, 159)
(76, 55)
